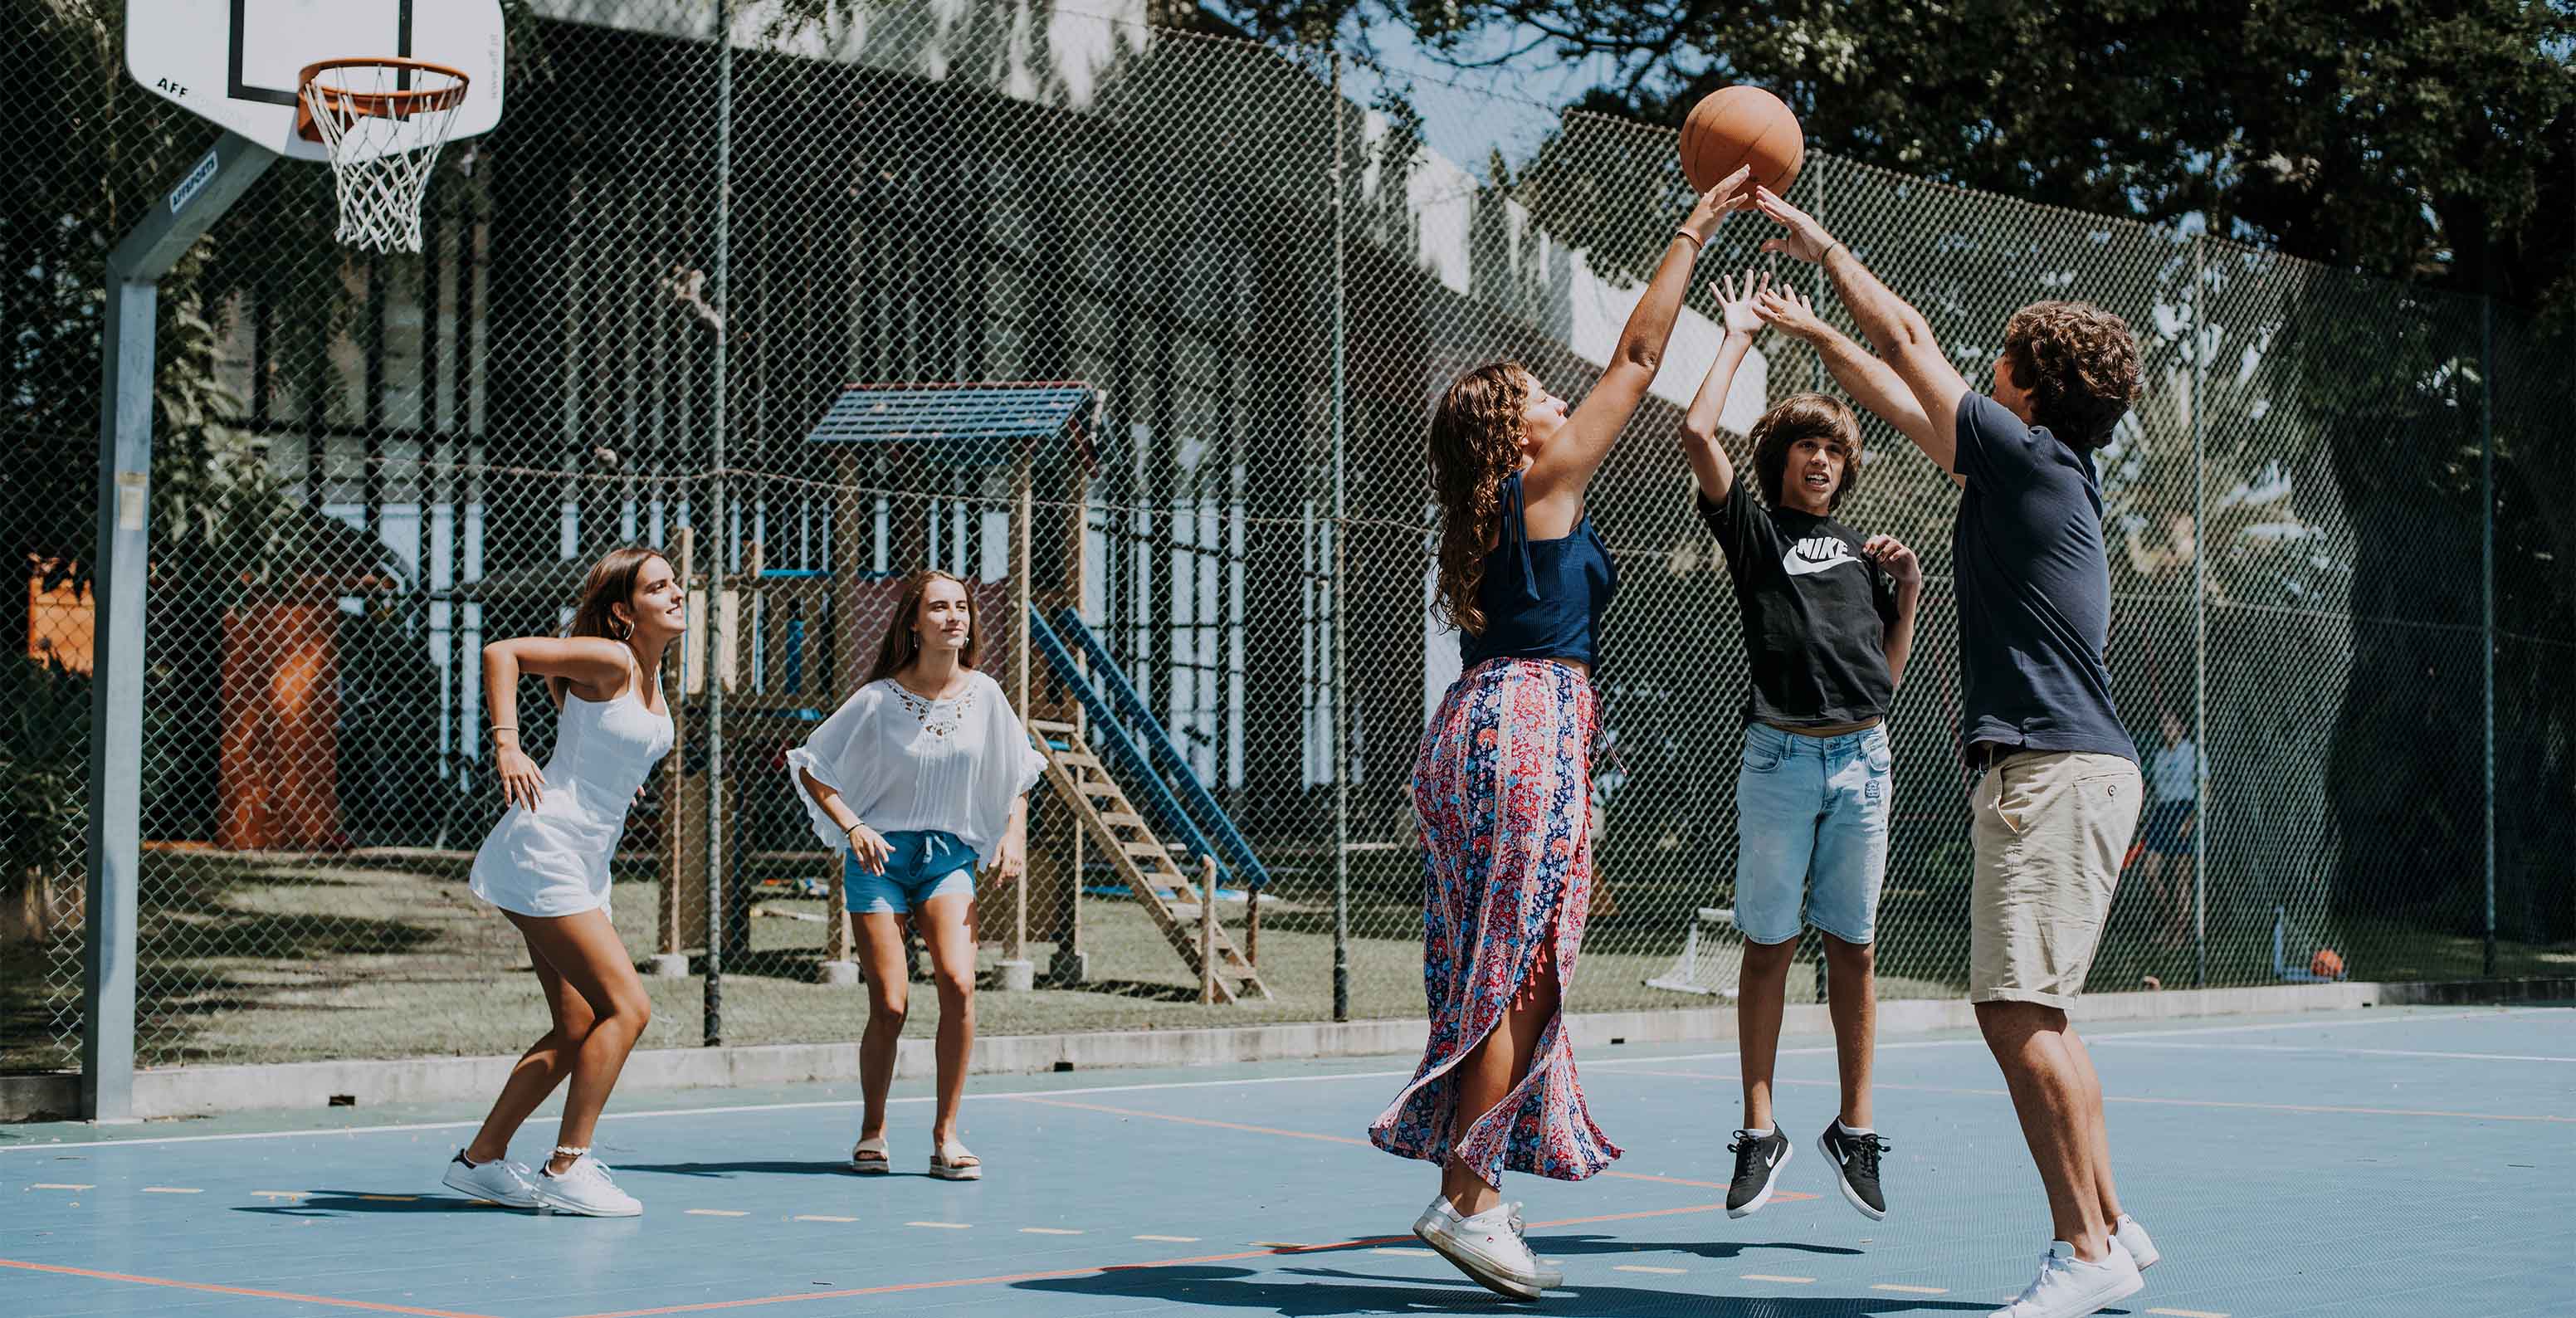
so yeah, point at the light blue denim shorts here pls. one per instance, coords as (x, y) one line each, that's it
(1811, 833)
(924, 865)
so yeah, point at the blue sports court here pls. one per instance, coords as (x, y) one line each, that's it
(2396, 1161)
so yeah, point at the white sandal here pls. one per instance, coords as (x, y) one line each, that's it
(863, 1163)
(951, 1162)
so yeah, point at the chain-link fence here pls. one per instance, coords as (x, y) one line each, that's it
(1257, 266)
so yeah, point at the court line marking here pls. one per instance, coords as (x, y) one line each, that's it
(2358, 1052)
(2159, 1102)
(213, 1289)
(1407, 1253)
(1638, 1267)
(718, 1212)
(1048, 1101)
(170, 1189)
(819, 1217)
(1048, 1231)
(1170, 1240)
(658, 1113)
(1058, 1273)
(1925, 1290)
(945, 1226)
(2187, 1313)
(819, 1104)
(1769, 1276)
(59, 1185)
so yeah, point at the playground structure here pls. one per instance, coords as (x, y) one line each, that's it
(1115, 781)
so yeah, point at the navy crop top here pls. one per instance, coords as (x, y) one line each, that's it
(1543, 599)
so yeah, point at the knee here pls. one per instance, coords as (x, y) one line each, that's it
(1850, 958)
(631, 1012)
(1769, 958)
(886, 1010)
(956, 986)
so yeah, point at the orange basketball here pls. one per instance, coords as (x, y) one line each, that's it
(1742, 126)
(2327, 963)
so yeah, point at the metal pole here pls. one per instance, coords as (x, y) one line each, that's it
(2486, 534)
(1340, 615)
(2199, 628)
(719, 537)
(126, 332)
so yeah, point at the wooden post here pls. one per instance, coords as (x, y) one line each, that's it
(1207, 930)
(1252, 899)
(683, 915)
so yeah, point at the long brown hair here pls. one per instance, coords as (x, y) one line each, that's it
(611, 583)
(902, 643)
(1804, 416)
(1475, 444)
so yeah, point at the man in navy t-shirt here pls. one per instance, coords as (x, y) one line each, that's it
(2060, 789)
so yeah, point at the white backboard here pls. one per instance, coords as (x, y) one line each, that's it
(234, 62)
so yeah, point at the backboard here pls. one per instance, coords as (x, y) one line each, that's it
(235, 62)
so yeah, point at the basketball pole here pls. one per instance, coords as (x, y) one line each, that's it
(202, 194)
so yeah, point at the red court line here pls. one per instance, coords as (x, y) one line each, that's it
(1053, 1274)
(1341, 1139)
(236, 1290)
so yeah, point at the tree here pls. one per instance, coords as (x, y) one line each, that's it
(2419, 139)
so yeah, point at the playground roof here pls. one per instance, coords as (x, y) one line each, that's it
(964, 425)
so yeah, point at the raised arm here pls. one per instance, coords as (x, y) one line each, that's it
(1869, 381)
(1558, 475)
(1894, 329)
(1701, 443)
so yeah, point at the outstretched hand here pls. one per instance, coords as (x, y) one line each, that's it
(1803, 238)
(1730, 194)
(1740, 307)
(1789, 309)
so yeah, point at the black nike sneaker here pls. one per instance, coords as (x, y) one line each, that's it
(1758, 1160)
(1855, 1159)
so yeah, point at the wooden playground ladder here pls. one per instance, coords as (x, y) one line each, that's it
(1143, 860)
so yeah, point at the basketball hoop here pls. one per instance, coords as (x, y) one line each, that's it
(383, 121)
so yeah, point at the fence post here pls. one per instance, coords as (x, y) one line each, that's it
(1341, 644)
(719, 539)
(2487, 633)
(2199, 621)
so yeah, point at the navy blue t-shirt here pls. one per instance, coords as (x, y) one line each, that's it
(2034, 590)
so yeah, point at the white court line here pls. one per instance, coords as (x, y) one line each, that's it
(2322, 1048)
(1628, 1267)
(719, 1212)
(1772, 1276)
(1909, 1290)
(1153, 1086)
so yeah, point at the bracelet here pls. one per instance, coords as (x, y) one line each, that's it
(1695, 239)
(845, 833)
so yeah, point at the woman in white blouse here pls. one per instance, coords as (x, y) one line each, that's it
(918, 780)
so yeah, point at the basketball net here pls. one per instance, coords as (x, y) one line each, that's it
(383, 139)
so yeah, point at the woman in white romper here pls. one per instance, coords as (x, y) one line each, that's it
(546, 867)
(917, 780)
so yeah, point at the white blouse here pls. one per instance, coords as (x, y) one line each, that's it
(906, 763)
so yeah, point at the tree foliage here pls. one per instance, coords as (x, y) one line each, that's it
(2422, 139)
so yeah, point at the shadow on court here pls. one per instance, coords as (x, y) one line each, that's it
(1317, 1292)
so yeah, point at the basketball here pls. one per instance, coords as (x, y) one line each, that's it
(2327, 963)
(1742, 126)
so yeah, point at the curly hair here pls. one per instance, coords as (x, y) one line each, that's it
(1475, 444)
(2080, 365)
(1805, 416)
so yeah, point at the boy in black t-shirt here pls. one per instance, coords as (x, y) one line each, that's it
(1828, 622)
(2059, 793)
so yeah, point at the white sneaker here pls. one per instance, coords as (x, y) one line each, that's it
(501, 1181)
(2069, 1287)
(2133, 1238)
(1487, 1247)
(584, 1188)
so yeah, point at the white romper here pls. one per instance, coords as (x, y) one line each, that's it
(553, 860)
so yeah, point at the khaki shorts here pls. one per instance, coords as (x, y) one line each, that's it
(2050, 830)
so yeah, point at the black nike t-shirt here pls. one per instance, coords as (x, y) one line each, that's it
(1816, 613)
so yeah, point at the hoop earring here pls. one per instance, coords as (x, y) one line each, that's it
(629, 633)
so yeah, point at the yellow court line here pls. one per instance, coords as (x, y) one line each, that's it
(390, 1198)
(58, 1185)
(1642, 1267)
(1765, 1276)
(277, 1194)
(1909, 1290)
(170, 1189)
(818, 1217)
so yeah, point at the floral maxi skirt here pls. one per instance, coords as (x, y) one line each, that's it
(1502, 787)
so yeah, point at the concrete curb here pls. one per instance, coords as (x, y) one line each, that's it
(203, 1090)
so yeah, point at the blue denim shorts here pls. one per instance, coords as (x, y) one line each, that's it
(1811, 830)
(923, 865)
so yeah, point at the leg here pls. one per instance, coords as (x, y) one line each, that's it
(942, 921)
(587, 952)
(541, 1068)
(1854, 1006)
(884, 960)
(2098, 1134)
(1489, 1073)
(1762, 995)
(2030, 1043)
